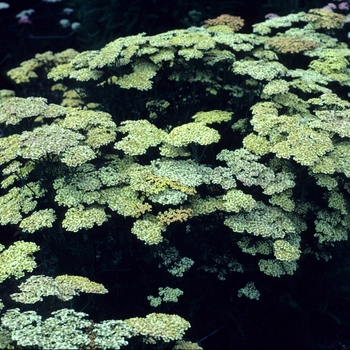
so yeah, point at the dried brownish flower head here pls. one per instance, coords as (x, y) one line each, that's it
(325, 19)
(234, 22)
(173, 215)
(292, 44)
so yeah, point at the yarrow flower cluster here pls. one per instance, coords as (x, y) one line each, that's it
(158, 326)
(249, 291)
(166, 294)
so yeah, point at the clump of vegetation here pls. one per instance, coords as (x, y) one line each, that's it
(167, 161)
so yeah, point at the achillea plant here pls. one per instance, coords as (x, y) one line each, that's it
(181, 140)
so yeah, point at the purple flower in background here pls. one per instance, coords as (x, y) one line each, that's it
(343, 6)
(67, 11)
(64, 22)
(4, 5)
(329, 7)
(23, 16)
(24, 20)
(25, 13)
(271, 15)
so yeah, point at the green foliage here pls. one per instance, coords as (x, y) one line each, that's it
(197, 142)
